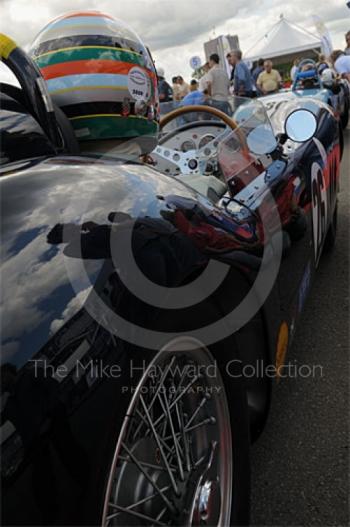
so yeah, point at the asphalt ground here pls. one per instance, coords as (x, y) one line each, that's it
(300, 464)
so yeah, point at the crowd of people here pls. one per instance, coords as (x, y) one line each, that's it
(338, 62)
(217, 85)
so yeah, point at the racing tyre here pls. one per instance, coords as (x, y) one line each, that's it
(332, 233)
(181, 456)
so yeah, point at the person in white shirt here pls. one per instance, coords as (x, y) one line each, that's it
(294, 69)
(203, 81)
(341, 63)
(218, 85)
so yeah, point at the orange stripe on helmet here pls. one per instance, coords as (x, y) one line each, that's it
(77, 67)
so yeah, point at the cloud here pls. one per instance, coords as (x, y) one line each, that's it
(31, 274)
(26, 286)
(158, 22)
(73, 306)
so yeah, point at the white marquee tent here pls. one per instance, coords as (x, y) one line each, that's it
(283, 39)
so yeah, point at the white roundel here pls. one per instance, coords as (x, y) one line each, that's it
(139, 84)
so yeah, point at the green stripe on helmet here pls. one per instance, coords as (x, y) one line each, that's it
(112, 127)
(88, 53)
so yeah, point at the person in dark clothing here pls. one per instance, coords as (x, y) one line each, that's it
(258, 69)
(232, 63)
(193, 85)
(256, 72)
(242, 82)
(164, 89)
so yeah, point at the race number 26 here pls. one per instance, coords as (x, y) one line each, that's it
(319, 208)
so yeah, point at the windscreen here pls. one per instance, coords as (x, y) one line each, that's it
(245, 152)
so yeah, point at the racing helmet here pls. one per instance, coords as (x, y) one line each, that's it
(101, 75)
(328, 77)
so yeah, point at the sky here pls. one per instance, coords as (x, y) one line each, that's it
(175, 30)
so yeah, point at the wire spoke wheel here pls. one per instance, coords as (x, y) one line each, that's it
(173, 459)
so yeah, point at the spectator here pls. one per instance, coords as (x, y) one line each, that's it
(242, 81)
(232, 63)
(203, 81)
(218, 85)
(194, 85)
(194, 98)
(255, 74)
(294, 69)
(164, 89)
(184, 88)
(341, 63)
(269, 81)
(176, 90)
(258, 69)
(347, 40)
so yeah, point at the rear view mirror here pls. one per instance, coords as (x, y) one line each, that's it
(301, 125)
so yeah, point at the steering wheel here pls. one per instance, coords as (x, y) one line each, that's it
(192, 162)
(35, 97)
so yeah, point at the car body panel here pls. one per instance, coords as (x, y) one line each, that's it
(58, 214)
(339, 102)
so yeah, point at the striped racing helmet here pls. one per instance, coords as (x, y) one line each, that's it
(100, 74)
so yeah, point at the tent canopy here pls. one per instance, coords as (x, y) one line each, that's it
(284, 38)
